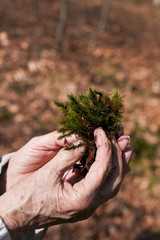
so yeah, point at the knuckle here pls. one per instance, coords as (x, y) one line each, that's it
(63, 159)
(67, 154)
(34, 140)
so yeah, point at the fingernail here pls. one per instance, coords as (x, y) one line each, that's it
(79, 142)
(128, 156)
(100, 128)
(125, 143)
(125, 139)
(129, 139)
(96, 131)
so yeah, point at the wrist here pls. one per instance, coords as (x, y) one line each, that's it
(14, 209)
(18, 207)
(8, 213)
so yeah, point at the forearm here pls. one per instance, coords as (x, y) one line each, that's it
(4, 233)
(7, 212)
(16, 212)
(22, 209)
(15, 209)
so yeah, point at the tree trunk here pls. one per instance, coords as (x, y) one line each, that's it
(62, 24)
(36, 33)
(102, 22)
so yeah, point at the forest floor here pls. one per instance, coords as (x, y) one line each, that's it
(126, 56)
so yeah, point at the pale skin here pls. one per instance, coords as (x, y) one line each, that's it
(42, 196)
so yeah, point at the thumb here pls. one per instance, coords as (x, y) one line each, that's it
(65, 159)
(100, 169)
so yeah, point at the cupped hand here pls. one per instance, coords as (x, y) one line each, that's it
(45, 197)
(37, 152)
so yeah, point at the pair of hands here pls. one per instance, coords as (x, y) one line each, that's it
(39, 193)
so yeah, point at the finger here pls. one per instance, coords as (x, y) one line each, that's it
(65, 159)
(127, 158)
(50, 141)
(123, 142)
(121, 130)
(117, 160)
(73, 177)
(100, 169)
(70, 176)
(113, 182)
(128, 154)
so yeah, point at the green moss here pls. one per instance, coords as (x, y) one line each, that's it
(82, 114)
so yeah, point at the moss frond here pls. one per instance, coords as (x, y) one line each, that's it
(83, 113)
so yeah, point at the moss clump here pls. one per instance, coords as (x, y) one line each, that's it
(82, 114)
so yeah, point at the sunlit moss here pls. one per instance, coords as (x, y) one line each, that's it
(82, 114)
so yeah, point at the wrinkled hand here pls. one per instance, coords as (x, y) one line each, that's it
(37, 152)
(45, 197)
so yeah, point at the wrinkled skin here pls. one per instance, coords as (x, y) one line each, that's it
(36, 153)
(43, 196)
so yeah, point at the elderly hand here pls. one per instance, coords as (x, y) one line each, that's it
(45, 197)
(37, 152)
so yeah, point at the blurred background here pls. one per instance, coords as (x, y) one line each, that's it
(50, 48)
